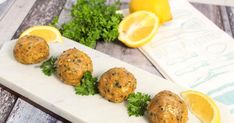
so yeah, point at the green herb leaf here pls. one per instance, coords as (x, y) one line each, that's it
(48, 67)
(92, 20)
(88, 85)
(137, 104)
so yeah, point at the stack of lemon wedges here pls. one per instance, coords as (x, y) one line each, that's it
(142, 24)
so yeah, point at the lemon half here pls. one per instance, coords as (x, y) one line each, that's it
(138, 28)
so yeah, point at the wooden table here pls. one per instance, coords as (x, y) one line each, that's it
(15, 108)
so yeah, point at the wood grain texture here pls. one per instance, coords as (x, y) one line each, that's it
(212, 12)
(230, 11)
(222, 16)
(13, 18)
(215, 2)
(42, 13)
(24, 112)
(7, 101)
(65, 14)
(4, 7)
(131, 56)
(226, 20)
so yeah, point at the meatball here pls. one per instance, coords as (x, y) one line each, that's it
(167, 107)
(116, 84)
(71, 65)
(31, 50)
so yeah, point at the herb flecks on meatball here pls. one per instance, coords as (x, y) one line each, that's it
(116, 84)
(167, 107)
(31, 50)
(71, 66)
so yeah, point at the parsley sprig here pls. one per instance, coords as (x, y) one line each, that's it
(48, 67)
(137, 103)
(88, 85)
(92, 20)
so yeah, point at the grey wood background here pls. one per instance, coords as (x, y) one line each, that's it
(15, 108)
(4, 7)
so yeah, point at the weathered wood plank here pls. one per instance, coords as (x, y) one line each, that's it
(212, 12)
(222, 16)
(65, 14)
(131, 56)
(13, 18)
(7, 101)
(24, 112)
(41, 13)
(215, 2)
(28, 108)
(226, 20)
(4, 7)
(230, 11)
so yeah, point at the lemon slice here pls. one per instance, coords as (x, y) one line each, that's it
(138, 28)
(49, 33)
(202, 106)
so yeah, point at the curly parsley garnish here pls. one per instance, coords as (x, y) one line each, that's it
(88, 85)
(137, 103)
(92, 20)
(48, 67)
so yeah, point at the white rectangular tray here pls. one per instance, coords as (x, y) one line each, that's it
(49, 92)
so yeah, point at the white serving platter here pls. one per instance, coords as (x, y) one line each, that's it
(49, 92)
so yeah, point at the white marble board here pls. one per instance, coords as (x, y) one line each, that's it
(49, 92)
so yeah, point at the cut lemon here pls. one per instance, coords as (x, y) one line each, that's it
(49, 33)
(138, 28)
(202, 106)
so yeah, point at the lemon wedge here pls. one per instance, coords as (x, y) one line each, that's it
(49, 33)
(138, 28)
(202, 106)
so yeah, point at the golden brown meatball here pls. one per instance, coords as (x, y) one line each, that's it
(116, 84)
(31, 50)
(167, 107)
(71, 65)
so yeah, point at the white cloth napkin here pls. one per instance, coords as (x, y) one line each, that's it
(193, 52)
